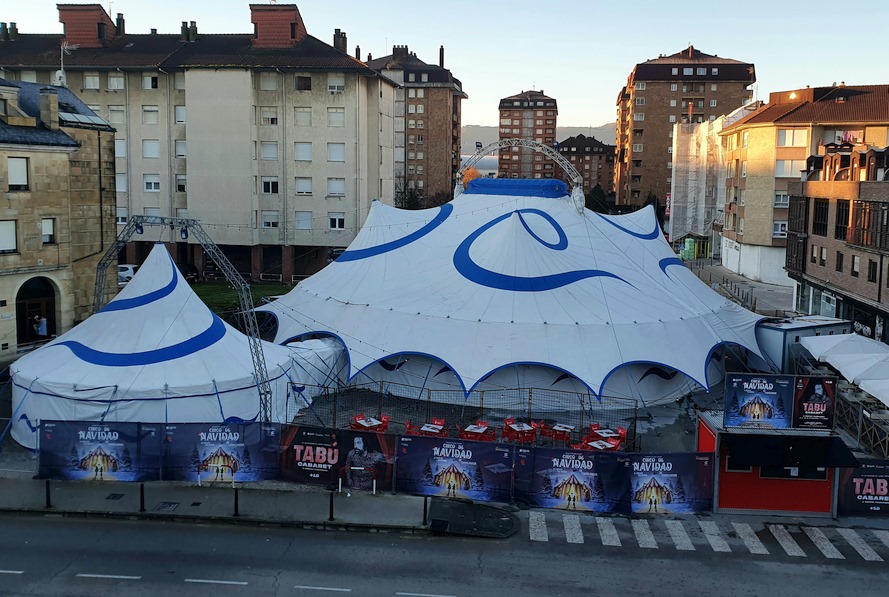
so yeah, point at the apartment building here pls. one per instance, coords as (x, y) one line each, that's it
(57, 220)
(427, 127)
(276, 141)
(593, 159)
(686, 87)
(778, 144)
(528, 115)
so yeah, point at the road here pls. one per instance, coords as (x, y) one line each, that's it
(51, 555)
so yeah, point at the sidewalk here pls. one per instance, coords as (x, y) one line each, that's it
(767, 299)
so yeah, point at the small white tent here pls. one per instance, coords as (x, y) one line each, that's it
(511, 274)
(154, 354)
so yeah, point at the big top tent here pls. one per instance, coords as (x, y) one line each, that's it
(510, 274)
(154, 354)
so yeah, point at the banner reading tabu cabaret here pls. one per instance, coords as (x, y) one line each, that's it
(99, 451)
(573, 480)
(671, 483)
(864, 491)
(220, 451)
(759, 401)
(813, 402)
(454, 468)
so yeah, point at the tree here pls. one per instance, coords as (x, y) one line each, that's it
(470, 174)
(427, 473)
(680, 490)
(597, 201)
(126, 461)
(477, 479)
(599, 488)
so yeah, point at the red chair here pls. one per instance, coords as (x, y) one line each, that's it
(384, 420)
(490, 435)
(622, 432)
(614, 441)
(595, 427)
(355, 424)
(508, 433)
(440, 422)
(527, 437)
(559, 436)
(411, 429)
(580, 446)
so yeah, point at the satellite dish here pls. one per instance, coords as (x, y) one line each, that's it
(59, 79)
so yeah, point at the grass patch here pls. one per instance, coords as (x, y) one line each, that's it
(223, 300)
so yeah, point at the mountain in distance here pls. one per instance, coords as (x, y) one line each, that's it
(489, 134)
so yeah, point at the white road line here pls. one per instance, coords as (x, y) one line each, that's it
(111, 576)
(679, 536)
(208, 581)
(337, 589)
(790, 546)
(863, 549)
(537, 527)
(423, 595)
(607, 532)
(714, 536)
(882, 536)
(751, 541)
(823, 543)
(12, 571)
(573, 533)
(643, 534)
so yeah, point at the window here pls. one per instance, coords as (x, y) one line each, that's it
(269, 218)
(179, 81)
(269, 185)
(420, 139)
(302, 116)
(268, 81)
(303, 82)
(789, 168)
(842, 219)
(48, 231)
(640, 101)
(117, 114)
(411, 124)
(181, 212)
(181, 185)
(638, 116)
(303, 151)
(116, 81)
(674, 86)
(336, 152)
(782, 199)
(674, 71)
(779, 229)
(337, 220)
(149, 81)
(637, 147)
(151, 211)
(120, 182)
(839, 264)
(28, 76)
(672, 103)
(151, 148)
(702, 71)
(819, 218)
(672, 118)
(856, 265)
(714, 71)
(744, 169)
(181, 149)
(792, 137)
(303, 185)
(814, 254)
(640, 86)
(688, 71)
(121, 217)
(120, 148)
(90, 80)
(412, 109)
(745, 139)
(336, 187)
(871, 270)
(336, 82)
(151, 183)
(420, 108)
(150, 115)
(742, 197)
(268, 150)
(179, 114)
(303, 220)
(8, 242)
(17, 173)
(336, 117)
(713, 86)
(713, 103)
(268, 115)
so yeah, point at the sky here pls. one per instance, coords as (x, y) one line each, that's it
(579, 52)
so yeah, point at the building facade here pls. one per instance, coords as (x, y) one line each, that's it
(427, 127)
(686, 87)
(593, 159)
(276, 141)
(528, 115)
(57, 219)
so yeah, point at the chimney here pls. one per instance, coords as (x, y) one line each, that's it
(4, 32)
(369, 57)
(276, 26)
(49, 108)
(193, 32)
(13, 32)
(120, 25)
(399, 53)
(441, 56)
(183, 31)
(154, 31)
(691, 51)
(339, 40)
(357, 52)
(87, 25)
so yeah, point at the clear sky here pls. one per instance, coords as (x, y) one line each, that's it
(579, 52)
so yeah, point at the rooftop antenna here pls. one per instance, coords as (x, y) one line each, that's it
(66, 48)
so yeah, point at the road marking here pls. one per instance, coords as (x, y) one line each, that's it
(423, 595)
(790, 546)
(311, 588)
(209, 581)
(679, 536)
(643, 534)
(823, 543)
(111, 576)
(863, 549)
(537, 527)
(607, 532)
(882, 536)
(714, 536)
(12, 571)
(573, 533)
(751, 541)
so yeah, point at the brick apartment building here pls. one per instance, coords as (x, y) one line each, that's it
(593, 159)
(528, 115)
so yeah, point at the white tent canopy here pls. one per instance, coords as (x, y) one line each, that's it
(513, 275)
(859, 359)
(154, 354)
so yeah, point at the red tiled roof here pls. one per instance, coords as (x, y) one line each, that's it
(694, 57)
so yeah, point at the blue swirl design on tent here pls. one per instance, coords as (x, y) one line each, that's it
(668, 261)
(139, 301)
(385, 365)
(357, 254)
(644, 236)
(659, 372)
(205, 339)
(475, 273)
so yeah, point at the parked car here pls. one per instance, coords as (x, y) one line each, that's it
(125, 273)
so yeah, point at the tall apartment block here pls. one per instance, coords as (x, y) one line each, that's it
(528, 115)
(276, 141)
(593, 159)
(686, 87)
(427, 127)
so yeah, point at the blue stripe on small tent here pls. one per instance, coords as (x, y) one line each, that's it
(139, 301)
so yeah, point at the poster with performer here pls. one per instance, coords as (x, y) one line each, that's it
(573, 480)
(309, 455)
(479, 471)
(864, 491)
(671, 483)
(758, 401)
(99, 451)
(224, 452)
(813, 402)
(367, 460)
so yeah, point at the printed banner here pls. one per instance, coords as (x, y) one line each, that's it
(99, 451)
(672, 483)
(479, 471)
(761, 401)
(365, 457)
(220, 452)
(813, 402)
(573, 480)
(864, 491)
